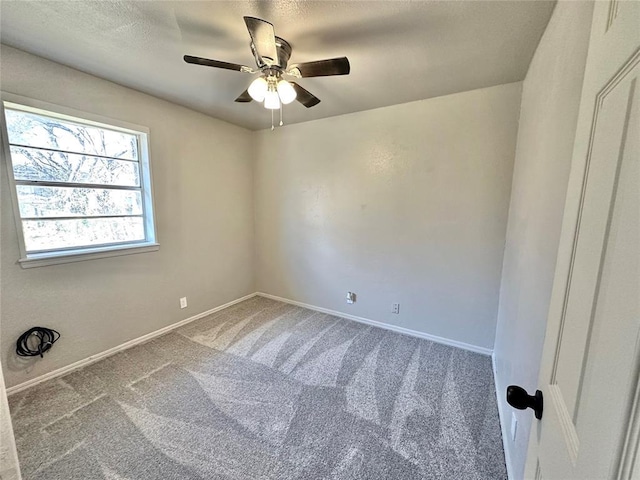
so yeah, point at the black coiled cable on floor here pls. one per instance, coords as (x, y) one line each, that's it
(36, 341)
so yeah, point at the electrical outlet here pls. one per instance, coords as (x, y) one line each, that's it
(351, 297)
(183, 302)
(395, 308)
(514, 426)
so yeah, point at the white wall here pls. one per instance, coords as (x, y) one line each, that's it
(401, 204)
(202, 179)
(548, 117)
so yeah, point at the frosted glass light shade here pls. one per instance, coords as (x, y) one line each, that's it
(258, 89)
(286, 91)
(271, 100)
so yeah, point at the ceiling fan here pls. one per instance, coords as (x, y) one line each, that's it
(272, 56)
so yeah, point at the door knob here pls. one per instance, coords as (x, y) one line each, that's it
(518, 398)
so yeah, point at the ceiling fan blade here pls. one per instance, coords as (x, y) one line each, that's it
(263, 37)
(216, 63)
(323, 68)
(305, 97)
(244, 97)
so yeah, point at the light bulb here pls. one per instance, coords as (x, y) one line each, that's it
(271, 100)
(258, 89)
(286, 91)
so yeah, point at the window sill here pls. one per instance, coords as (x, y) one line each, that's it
(44, 259)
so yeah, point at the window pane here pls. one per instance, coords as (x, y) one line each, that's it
(35, 130)
(54, 234)
(36, 201)
(44, 165)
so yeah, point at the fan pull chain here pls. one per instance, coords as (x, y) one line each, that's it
(281, 116)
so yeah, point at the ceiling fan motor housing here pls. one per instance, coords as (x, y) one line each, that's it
(284, 53)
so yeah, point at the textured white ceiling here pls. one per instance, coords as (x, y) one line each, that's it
(399, 51)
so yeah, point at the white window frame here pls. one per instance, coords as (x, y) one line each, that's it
(66, 255)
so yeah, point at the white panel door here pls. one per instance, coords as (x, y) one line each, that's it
(591, 360)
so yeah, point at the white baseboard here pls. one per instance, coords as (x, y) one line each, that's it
(386, 326)
(503, 424)
(149, 336)
(112, 351)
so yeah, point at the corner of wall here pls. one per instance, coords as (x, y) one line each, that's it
(253, 141)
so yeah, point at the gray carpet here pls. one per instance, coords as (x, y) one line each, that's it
(266, 390)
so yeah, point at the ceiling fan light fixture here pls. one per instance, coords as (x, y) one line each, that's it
(286, 91)
(272, 100)
(258, 89)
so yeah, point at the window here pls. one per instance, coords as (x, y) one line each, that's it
(80, 187)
